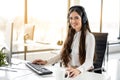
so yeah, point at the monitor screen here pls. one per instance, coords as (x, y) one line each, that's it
(9, 42)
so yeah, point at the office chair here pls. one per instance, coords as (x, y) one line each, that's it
(100, 49)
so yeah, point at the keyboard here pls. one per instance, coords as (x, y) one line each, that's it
(39, 69)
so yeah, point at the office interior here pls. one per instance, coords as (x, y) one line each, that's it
(39, 26)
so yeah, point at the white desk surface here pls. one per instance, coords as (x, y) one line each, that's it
(24, 73)
(114, 69)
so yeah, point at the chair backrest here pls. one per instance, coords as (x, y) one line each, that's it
(100, 49)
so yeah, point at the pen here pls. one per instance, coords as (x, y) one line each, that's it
(8, 70)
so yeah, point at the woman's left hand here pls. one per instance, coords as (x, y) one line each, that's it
(73, 72)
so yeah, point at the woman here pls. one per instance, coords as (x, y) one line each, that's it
(78, 50)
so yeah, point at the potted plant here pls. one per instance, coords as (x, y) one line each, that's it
(2, 57)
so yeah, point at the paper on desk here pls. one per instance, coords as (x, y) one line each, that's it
(13, 72)
(10, 74)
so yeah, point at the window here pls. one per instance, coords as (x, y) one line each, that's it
(92, 8)
(48, 16)
(50, 19)
(110, 16)
(11, 8)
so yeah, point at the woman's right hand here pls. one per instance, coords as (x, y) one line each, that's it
(39, 61)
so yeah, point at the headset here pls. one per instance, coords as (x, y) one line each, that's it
(83, 13)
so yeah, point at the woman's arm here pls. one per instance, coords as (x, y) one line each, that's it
(49, 61)
(54, 59)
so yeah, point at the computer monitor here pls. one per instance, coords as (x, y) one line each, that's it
(9, 42)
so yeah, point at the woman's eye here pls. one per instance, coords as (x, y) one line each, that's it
(76, 17)
(70, 18)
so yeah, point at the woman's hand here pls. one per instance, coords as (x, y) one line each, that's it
(73, 72)
(39, 61)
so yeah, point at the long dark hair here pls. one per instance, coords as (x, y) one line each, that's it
(66, 50)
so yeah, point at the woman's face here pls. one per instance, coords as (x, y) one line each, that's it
(75, 21)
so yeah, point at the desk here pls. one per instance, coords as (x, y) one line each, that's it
(24, 73)
(108, 46)
(114, 69)
(114, 42)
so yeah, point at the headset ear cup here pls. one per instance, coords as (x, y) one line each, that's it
(84, 18)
